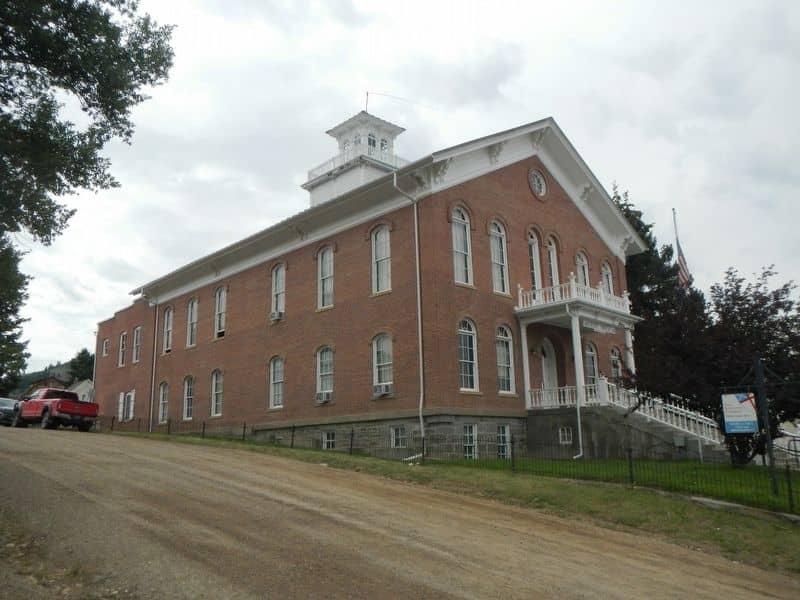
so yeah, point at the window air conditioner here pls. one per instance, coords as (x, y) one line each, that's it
(323, 397)
(382, 389)
(276, 315)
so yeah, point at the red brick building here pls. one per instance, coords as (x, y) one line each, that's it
(459, 292)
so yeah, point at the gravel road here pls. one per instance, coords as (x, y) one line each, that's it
(149, 519)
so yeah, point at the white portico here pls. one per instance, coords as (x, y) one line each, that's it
(576, 307)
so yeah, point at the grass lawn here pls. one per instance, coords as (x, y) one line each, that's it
(753, 537)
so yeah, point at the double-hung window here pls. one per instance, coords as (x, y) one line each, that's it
(278, 291)
(188, 398)
(191, 323)
(163, 402)
(220, 303)
(167, 343)
(106, 345)
(552, 262)
(325, 370)
(462, 247)
(470, 441)
(276, 382)
(216, 393)
(505, 360)
(123, 348)
(399, 436)
(381, 260)
(582, 268)
(325, 278)
(616, 364)
(497, 241)
(467, 356)
(503, 441)
(137, 344)
(536, 268)
(607, 279)
(590, 363)
(382, 360)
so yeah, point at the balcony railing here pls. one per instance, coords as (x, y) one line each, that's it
(572, 290)
(361, 150)
(605, 393)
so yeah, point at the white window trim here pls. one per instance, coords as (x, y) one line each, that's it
(273, 381)
(106, 346)
(474, 435)
(192, 310)
(616, 358)
(123, 348)
(137, 344)
(376, 366)
(590, 357)
(476, 380)
(505, 432)
(394, 438)
(220, 310)
(498, 232)
(319, 373)
(565, 435)
(376, 262)
(163, 402)
(320, 284)
(509, 339)
(124, 403)
(190, 381)
(465, 223)
(607, 278)
(278, 278)
(217, 378)
(329, 440)
(166, 342)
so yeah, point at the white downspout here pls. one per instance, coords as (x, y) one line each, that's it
(419, 304)
(153, 372)
(577, 353)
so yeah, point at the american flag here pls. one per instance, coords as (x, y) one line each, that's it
(684, 277)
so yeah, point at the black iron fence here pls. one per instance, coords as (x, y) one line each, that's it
(708, 474)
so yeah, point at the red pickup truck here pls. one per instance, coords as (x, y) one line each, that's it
(52, 407)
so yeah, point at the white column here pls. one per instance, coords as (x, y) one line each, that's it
(629, 362)
(526, 368)
(580, 389)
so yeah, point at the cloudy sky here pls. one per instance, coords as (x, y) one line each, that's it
(691, 105)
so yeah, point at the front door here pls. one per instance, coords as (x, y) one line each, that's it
(549, 371)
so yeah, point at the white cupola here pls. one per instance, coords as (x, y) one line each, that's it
(366, 151)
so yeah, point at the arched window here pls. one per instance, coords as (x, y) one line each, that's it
(497, 240)
(382, 371)
(276, 382)
(166, 344)
(505, 359)
(188, 398)
(381, 260)
(616, 364)
(590, 363)
(324, 370)
(325, 277)
(582, 268)
(467, 356)
(607, 278)
(220, 304)
(536, 266)
(216, 393)
(191, 322)
(552, 262)
(278, 291)
(163, 402)
(462, 247)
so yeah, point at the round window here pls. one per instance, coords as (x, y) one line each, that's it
(537, 183)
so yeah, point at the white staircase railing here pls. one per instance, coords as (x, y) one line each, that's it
(605, 393)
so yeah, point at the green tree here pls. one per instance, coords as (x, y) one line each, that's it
(670, 345)
(751, 319)
(99, 52)
(82, 365)
(13, 286)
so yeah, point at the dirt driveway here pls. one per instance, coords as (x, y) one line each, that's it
(161, 520)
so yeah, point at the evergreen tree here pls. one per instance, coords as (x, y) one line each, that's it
(13, 286)
(670, 345)
(82, 365)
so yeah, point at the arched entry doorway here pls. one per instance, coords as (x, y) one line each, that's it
(549, 365)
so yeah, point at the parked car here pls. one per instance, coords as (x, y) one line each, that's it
(51, 407)
(8, 408)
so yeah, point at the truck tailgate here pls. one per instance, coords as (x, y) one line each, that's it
(81, 409)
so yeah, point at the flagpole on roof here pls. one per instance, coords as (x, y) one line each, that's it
(675, 224)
